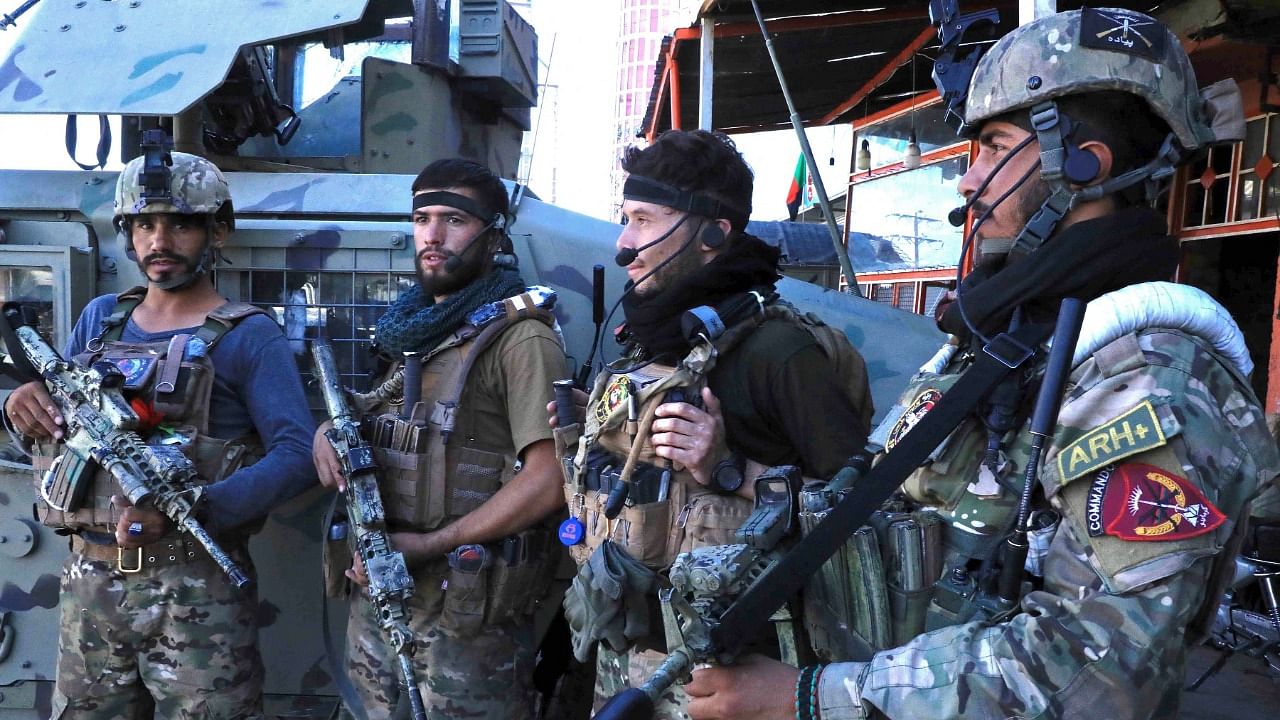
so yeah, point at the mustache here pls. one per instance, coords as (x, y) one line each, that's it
(172, 257)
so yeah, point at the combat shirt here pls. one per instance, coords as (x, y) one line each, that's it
(1106, 635)
(782, 404)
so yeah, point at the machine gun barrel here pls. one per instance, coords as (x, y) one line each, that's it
(100, 426)
(390, 584)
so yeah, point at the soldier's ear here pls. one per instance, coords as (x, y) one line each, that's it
(220, 233)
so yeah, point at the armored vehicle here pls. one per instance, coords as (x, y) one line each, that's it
(322, 235)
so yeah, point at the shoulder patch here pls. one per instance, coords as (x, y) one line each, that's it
(916, 411)
(1136, 501)
(1136, 430)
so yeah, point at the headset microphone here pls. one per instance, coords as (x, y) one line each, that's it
(957, 215)
(455, 261)
(626, 256)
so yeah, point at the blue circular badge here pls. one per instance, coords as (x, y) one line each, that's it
(571, 531)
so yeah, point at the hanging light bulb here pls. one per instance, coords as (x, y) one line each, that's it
(912, 160)
(864, 156)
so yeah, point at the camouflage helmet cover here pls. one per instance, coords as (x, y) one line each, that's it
(196, 186)
(1048, 58)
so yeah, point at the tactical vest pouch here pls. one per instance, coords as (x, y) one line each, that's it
(414, 496)
(464, 600)
(642, 531)
(709, 519)
(521, 574)
(183, 380)
(908, 609)
(478, 474)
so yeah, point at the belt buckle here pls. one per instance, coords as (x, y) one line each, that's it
(137, 567)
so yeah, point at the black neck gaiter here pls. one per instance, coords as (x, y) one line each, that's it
(748, 263)
(1085, 261)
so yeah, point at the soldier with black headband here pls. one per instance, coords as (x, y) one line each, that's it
(149, 622)
(465, 459)
(719, 379)
(1090, 526)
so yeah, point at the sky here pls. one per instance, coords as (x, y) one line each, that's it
(572, 142)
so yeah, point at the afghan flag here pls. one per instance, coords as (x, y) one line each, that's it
(798, 181)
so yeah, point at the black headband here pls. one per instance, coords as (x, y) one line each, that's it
(643, 189)
(459, 202)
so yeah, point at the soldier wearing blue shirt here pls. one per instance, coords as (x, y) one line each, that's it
(147, 617)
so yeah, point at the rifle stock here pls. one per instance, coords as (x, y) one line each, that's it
(390, 584)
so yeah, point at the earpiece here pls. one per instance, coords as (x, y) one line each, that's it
(1081, 166)
(712, 235)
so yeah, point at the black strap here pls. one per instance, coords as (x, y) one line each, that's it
(742, 621)
(104, 142)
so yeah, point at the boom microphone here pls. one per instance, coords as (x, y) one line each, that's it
(626, 256)
(454, 262)
(957, 215)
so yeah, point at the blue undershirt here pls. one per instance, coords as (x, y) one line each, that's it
(256, 387)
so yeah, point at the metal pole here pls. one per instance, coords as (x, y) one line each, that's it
(1029, 10)
(842, 253)
(706, 75)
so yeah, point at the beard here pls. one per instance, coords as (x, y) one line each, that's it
(184, 266)
(444, 282)
(676, 267)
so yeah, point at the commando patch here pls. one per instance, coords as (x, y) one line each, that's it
(1136, 501)
(1121, 31)
(918, 408)
(1135, 431)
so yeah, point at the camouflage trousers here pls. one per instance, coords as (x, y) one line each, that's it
(616, 672)
(180, 638)
(482, 672)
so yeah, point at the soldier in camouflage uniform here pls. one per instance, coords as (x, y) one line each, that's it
(467, 507)
(148, 620)
(1160, 444)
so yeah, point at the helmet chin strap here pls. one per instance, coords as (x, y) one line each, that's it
(1059, 169)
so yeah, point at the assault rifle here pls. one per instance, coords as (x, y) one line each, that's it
(100, 431)
(390, 584)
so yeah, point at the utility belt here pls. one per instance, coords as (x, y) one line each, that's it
(173, 549)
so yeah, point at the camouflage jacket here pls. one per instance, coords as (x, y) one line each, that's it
(1158, 450)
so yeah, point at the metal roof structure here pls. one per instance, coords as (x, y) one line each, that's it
(843, 60)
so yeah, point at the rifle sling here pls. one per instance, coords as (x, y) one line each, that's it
(742, 620)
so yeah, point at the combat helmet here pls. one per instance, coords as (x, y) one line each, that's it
(193, 186)
(1094, 50)
(163, 181)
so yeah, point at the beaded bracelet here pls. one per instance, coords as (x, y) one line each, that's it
(804, 706)
(815, 708)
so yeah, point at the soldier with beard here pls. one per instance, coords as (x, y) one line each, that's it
(1160, 445)
(719, 379)
(466, 464)
(148, 619)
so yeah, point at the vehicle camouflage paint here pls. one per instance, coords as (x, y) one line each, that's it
(322, 236)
